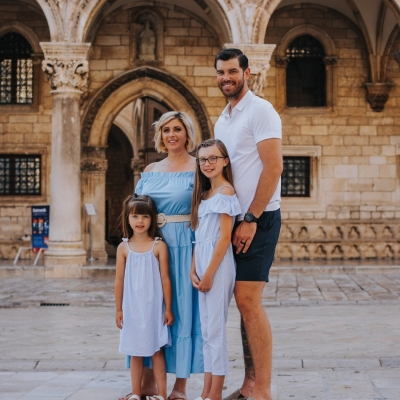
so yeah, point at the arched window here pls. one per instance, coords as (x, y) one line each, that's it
(305, 73)
(16, 69)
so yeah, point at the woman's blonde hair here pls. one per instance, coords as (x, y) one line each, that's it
(202, 183)
(167, 117)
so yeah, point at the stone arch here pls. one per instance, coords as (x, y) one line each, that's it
(54, 21)
(307, 29)
(224, 19)
(140, 82)
(330, 60)
(25, 31)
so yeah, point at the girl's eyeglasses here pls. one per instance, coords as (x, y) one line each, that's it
(211, 160)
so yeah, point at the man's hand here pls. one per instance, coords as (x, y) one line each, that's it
(243, 236)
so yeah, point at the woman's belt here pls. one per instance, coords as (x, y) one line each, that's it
(163, 219)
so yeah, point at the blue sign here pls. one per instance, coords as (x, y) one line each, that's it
(40, 226)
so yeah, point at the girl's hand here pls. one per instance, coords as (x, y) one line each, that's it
(168, 318)
(119, 319)
(195, 279)
(206, 283)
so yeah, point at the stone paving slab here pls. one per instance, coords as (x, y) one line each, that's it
(323, 349)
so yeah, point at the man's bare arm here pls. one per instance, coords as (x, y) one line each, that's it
(270, 152)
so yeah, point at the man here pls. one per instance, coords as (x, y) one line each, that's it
(252, 132)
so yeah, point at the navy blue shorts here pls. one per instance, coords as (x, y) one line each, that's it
(254, 265)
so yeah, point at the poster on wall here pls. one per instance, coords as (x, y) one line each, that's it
(40, 227)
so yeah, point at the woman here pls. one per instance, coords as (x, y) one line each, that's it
(170, 184)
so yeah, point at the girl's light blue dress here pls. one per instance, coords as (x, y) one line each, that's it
(172, 194)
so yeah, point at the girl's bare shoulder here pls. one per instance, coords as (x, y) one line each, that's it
(227, 190)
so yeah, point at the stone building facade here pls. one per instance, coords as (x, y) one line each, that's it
(102, 71)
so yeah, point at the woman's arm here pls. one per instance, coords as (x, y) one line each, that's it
(119, 283)
(221, 247)
(162, 255)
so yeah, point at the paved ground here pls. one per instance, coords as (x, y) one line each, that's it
(335, 337)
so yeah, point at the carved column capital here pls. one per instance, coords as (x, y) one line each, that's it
(94, 159)
(259, 56)
(330, 60)
(282, 61)
(378, 94)
(137, 163)
(396, 56)
(66, 66)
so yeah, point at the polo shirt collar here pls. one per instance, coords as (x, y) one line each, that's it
(242, 103)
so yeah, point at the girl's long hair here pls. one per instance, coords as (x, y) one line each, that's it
(202, 183)
(139, 204)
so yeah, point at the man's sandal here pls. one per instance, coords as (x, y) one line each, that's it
(236, 395)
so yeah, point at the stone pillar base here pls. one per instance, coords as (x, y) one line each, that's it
(65, 254)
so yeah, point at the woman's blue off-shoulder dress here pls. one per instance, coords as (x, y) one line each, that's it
(172, 194)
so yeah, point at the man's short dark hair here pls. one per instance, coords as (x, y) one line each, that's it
(228, 54)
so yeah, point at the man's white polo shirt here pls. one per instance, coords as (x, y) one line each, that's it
(252, 120)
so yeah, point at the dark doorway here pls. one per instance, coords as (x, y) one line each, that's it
(119, 181)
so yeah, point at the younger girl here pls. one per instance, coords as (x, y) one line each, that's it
(143, 292)
(214, 207)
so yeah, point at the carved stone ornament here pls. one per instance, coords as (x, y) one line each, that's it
(396, 56)
(378, 95)
(94, 159)
(259, 56)
(282, 61)
(330, 60)
(66, 66)
(258, 81)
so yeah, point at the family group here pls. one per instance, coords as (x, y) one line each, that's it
(196, 231)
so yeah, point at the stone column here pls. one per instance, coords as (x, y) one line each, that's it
(137, 165)
(94, 167)
(396, 56)
(259, 56)
(66, 68)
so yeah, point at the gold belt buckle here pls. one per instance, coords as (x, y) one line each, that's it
(161, 220)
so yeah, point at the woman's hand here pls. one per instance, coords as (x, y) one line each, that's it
(206, 283)
(168, 318)
(119, 319)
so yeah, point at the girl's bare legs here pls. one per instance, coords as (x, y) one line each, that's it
(160, 373)
(213, 385)
(136, 374)
(179, 390)
(207, 385)
(149, 385)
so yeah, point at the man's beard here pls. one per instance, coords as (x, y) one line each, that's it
(236, 92)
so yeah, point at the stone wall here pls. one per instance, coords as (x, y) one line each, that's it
(189, 52)
(358, 178)
(24, 128)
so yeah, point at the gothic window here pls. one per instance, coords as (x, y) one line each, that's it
(295, 180)
(20, 175)
(16, 70)
(305, 73)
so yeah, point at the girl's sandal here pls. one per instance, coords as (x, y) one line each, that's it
(155, 397)
(134, 397)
